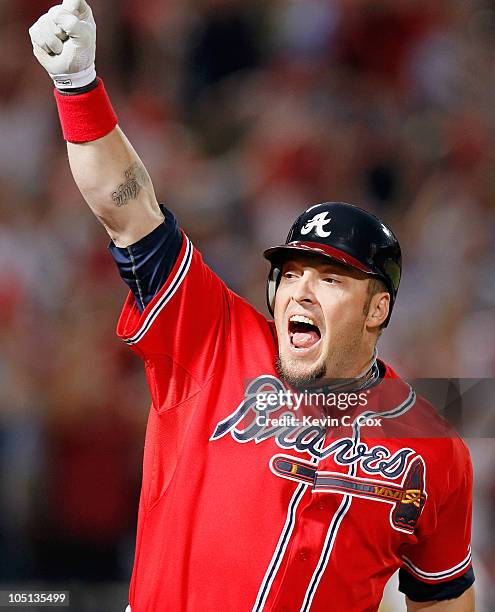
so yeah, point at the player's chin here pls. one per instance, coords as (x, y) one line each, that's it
(303, 369)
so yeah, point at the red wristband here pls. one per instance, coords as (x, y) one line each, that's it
(86, 116)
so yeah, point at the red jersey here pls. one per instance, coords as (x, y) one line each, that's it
(242, 511)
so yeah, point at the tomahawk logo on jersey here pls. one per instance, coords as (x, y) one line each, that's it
(238, 513)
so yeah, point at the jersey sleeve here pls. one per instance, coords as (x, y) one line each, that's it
(439, 566)
(145, 265)
(182, 331)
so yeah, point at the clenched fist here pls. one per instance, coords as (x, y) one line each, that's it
(64, 42)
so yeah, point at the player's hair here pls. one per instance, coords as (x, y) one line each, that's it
(375, 285)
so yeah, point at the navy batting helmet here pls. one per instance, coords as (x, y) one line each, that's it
(345, 233)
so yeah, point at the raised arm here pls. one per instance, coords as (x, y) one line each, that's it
(116, 186)
(107, 170)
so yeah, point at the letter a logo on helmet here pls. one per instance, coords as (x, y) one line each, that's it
(317, 223)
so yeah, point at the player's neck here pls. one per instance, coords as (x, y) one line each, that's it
(358, 379)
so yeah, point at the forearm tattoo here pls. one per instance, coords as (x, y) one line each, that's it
(130, 188)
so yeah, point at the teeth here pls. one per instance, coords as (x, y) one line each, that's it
(302, 319)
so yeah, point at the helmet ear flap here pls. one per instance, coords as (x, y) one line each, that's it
(271, 286)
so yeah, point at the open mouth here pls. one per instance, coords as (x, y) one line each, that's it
(303, 332)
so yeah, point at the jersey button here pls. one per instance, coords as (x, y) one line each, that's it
(303, 554)
(321, 505)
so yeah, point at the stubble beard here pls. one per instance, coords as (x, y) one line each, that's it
(332, 366)
(297, 379)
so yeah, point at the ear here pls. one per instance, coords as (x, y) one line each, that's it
(378, 310)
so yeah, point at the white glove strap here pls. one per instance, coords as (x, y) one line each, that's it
(79, 79)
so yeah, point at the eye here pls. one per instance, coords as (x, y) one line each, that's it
(289, 275)
(330, 280)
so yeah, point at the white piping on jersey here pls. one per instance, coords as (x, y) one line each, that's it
(346, 502)
(439, 575)
(167, 294)
(138, 284)
(281, 547)
(282, 544)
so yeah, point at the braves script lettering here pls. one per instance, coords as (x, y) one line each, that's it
(245, 425)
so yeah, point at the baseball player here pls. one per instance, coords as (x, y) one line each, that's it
(286, 467)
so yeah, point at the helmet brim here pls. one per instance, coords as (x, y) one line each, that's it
(283, 251)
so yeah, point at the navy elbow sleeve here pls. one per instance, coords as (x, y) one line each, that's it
(418, 590)
(145, 265)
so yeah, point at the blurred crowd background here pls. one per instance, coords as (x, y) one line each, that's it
(245, 112)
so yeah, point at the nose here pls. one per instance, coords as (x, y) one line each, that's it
(303, 292)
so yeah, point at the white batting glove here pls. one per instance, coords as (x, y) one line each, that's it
(64, 43)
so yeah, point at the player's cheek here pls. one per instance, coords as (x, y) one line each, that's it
(279, 309)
